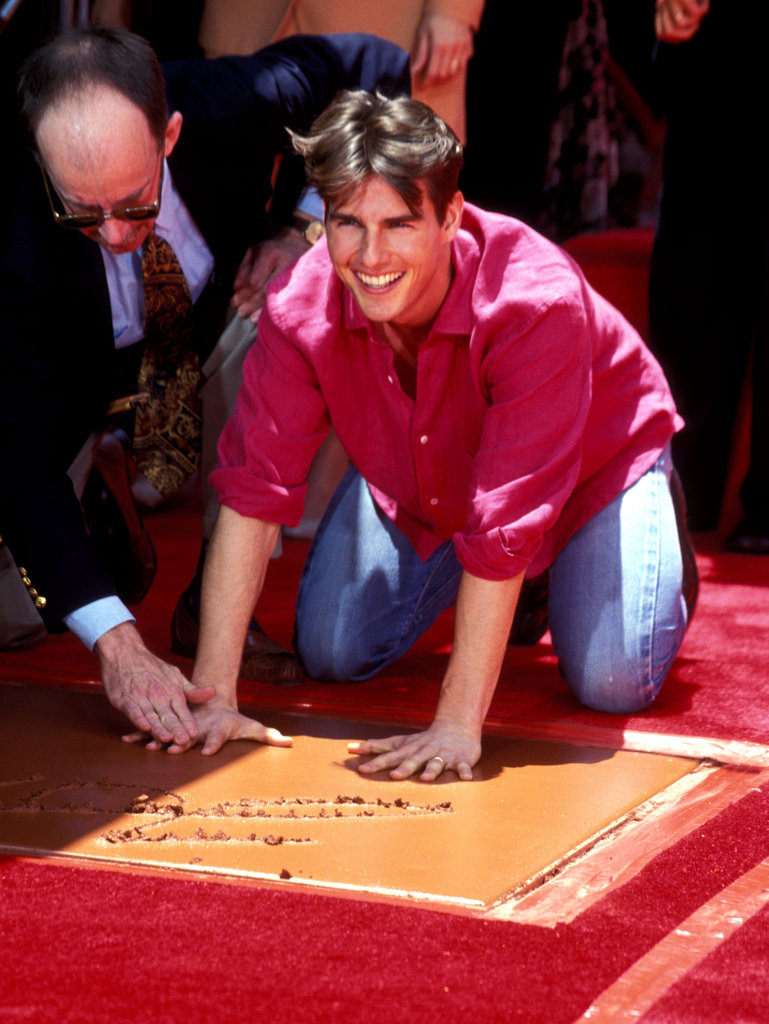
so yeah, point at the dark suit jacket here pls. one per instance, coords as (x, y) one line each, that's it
(57, 357)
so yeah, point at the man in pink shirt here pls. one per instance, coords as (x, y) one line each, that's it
(501, 419)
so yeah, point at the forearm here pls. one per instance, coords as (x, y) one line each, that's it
(236, 564)
(484, 616)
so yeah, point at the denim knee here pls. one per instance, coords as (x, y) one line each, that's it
(340, 658)
(617, 616)
(606, 677)
(619, 687)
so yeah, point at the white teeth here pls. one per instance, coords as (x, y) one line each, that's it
(378, 282)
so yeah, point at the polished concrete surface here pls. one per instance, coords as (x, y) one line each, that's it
(68, 786)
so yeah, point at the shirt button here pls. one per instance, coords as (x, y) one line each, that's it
(433, 501)
(423, 439)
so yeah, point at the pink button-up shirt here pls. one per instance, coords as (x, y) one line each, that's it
(536, 403)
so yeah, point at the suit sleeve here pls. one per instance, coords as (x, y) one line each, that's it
(53, 353)
(308, 71)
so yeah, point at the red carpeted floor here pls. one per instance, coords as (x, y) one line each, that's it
(91, 945)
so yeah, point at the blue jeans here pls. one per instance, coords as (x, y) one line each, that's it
(617, 615)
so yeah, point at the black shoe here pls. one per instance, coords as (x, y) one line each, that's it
(749, 538)
(530, 620)
(263, 658)
(690, 582)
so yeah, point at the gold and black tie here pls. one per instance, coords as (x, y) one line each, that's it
(167, 438)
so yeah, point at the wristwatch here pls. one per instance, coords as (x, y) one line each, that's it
(314, 231)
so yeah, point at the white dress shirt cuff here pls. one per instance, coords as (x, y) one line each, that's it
(94, 619)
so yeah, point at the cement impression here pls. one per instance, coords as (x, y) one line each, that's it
(70, 787)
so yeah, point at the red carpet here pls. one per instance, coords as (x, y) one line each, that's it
(91, 945)
(708, 994)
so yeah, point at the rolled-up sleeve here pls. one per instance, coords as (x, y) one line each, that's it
(279, 422)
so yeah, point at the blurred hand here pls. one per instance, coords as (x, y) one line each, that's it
(676, 21)
(442, 49)
(261, 263)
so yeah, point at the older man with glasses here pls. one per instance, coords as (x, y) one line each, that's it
(89, 218)
(120, 313)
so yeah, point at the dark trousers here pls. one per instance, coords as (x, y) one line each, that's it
(709, 273)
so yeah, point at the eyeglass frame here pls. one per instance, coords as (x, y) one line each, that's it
(81, 221)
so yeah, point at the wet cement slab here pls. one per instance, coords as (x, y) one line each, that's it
(70, 787)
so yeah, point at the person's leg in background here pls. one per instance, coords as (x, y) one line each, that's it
(708, 269)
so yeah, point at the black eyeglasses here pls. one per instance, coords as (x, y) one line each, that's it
(94, 218)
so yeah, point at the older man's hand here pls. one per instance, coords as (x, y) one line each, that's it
(154, 695)
(261, 263)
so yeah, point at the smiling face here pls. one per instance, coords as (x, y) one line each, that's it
(100, 153)
(396, 264)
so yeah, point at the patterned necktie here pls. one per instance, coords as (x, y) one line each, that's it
(167, 437)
